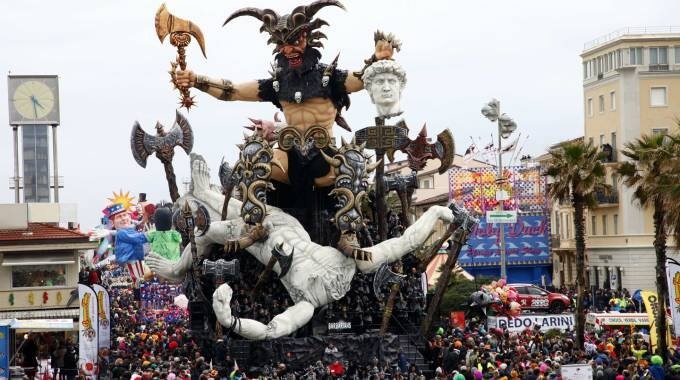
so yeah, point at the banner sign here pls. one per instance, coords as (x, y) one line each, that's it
(528, 321)
(340, 327)
(103, 317)
(652, 306)
(4, 352)
(673, 277)
(88, 342)
(526, 242)
(616, 319)
(576, 371)
(476, 189)
(43, 324)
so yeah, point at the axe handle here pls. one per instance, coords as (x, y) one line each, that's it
(405, 221)
(225, 205)
(389, 306)
(438, 244)
(181, 41)
(172, 180)
(443, 280)
(263, 275)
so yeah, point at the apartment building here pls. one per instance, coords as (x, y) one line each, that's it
(631, 87)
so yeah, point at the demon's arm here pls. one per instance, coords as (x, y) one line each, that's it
(224, 89)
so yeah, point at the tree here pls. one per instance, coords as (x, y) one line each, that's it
(578, 175)
(652, 172)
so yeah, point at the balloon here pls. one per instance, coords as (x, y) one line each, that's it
(512, 295)
(501, 282)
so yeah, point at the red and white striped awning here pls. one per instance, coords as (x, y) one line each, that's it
(432, 271)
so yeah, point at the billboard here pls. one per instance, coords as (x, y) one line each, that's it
(527, 242)
(528, 321)
(475, 188)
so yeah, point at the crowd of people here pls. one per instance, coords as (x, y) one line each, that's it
(475, 353)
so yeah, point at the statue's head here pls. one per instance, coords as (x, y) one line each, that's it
(385, 80)
(291, 33)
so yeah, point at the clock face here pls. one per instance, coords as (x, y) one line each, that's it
(33, 99)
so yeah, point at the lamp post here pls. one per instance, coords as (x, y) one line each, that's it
(506, 126)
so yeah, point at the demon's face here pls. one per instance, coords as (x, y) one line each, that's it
(293, 49)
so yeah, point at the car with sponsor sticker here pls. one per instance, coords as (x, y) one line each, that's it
(533, 298)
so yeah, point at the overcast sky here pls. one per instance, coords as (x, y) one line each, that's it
(457, 55)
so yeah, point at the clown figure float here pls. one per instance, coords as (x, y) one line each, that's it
(128, 242)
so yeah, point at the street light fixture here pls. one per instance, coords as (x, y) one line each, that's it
(506, 125)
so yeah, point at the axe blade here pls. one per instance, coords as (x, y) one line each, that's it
(139, 141)
(445, 149)
(384, 276)
(167, 23)
(183, 134)
(285, 261)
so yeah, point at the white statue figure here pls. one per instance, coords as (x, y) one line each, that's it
(317, 276)
(385, 80)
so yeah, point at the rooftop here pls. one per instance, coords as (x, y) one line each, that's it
(633, 32)
(41, 232)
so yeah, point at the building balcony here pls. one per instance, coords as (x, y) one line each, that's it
(607, 200)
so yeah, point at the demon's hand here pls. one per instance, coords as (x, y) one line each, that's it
(385, 44)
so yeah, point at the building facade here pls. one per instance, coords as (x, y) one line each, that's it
(631, 87)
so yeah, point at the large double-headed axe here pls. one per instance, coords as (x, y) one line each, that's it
(163, 144)
(180, 32)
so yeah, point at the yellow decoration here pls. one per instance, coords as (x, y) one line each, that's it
(31, 298)
(122, 198)
(59, 298)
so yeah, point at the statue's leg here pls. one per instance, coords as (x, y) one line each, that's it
(413, 237)
(283, 324)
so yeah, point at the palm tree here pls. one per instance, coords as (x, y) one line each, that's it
(652, 171)
(579, 174)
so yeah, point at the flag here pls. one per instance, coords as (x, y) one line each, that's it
(87, 346)
(103, 317)
(673, 278)
(512, 146)
(470, 152)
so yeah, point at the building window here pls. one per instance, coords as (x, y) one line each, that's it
(613, 141)
(590, 106)
(593, 225)
(618, 58)
(677, 54)
(615, 180)
(616, 224)
(635, 56)
(658, 97)
(568, 226)
(658, 58)
(659, 131)
(590, 140)
(29, 276)
(601, 140)
(601, 103)
(604, 224)
(425, 184)
(612, 100)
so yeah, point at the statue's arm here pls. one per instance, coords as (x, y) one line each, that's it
(224, 89)
(353, 83)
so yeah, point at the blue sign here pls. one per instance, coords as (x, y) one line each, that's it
(4, 352)
(527, 242)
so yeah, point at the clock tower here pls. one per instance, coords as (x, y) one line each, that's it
(33, 109)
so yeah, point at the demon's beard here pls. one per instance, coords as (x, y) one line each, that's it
(310, 58)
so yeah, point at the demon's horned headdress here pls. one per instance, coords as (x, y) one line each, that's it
(286, 28)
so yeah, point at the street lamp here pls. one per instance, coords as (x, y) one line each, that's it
(506, 126)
